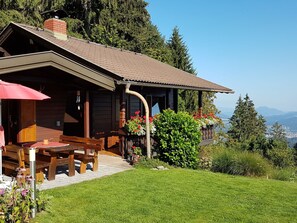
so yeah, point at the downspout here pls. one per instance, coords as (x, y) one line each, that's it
(147, 113)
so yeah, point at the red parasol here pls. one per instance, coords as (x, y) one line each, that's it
(17, 91)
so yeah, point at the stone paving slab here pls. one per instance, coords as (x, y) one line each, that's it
(108, 165)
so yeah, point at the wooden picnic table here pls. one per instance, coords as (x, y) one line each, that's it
(55, 149)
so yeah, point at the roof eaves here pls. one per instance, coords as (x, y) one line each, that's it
(152, 84)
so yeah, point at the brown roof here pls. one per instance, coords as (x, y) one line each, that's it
(127, 65)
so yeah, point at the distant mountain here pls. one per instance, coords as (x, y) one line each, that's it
(271, 115)
(287, 120)
(266, 111)
(225, 113)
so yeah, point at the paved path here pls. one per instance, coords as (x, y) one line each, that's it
(107, 165)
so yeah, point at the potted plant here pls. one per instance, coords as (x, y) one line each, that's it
(135, 154)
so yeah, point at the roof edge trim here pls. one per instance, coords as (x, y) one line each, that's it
(146, 84)
(49, 58)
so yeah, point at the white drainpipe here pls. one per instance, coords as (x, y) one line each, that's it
(147, 123)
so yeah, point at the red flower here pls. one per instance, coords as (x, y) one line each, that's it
(137, 112)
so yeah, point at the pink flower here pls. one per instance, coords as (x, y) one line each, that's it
(24, 192)
(2, 191)
(137, 112)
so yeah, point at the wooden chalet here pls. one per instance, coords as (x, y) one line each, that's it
(86, 82)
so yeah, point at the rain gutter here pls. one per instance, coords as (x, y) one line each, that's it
(160, 85)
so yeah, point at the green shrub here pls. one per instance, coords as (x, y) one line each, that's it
(224, 162)
(206, 154)
(178, 136)
(239, 163)
(284, 174)
(281, 157)
(145, 162)
(251, 164)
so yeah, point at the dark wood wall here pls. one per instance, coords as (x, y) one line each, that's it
(134, 104)
(104, 110)
(103, 114)
(50, 114)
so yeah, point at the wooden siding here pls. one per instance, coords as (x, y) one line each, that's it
(102, 112)
(48, 113)
(134, 105)
(170, 99)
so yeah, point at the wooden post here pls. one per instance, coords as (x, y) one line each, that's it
(122, 121)
(122, 109)
(200, 103)
(87, 116)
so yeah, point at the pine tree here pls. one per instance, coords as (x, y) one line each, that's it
(245, 121)
(187, 99)
(278, 132)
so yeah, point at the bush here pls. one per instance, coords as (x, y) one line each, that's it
(206, 154)
(178, 136)
(251, 164)
(145, 162)
(284, 174)
(281, 157)
(224, 162)
(239, 163)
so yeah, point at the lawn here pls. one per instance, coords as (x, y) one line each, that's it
(176, 195)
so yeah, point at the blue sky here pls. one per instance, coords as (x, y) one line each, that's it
(249, 46)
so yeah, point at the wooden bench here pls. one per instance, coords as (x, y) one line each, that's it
(17, 157)
(88, 144)
(11, 159)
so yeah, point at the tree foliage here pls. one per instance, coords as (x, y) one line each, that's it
(246, 122)
(278, 132)
(188, 99)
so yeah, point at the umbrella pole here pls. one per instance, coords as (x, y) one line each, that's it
(32, 158)
(1, 176)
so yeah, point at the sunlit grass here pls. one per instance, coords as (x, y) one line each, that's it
(175, 195)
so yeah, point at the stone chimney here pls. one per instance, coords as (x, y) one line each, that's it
(56, 27)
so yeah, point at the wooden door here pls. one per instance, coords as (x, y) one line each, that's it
(27, 121)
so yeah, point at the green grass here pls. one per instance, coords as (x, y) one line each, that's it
(176, 195)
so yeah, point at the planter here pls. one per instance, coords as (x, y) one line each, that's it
(135, 159)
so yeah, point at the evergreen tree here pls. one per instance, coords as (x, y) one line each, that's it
(278, 132)
(245, 121)
(261, 125)
(180, 55)
(187, 99)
